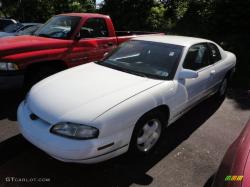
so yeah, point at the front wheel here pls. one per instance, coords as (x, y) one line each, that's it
(146, 135)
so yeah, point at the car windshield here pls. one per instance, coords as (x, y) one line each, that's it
(60, 27)
(13, 27)
(144, 58)
(4, 23)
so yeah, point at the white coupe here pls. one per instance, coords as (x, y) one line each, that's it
(100, 110)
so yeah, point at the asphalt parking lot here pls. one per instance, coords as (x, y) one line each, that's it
(189, 154)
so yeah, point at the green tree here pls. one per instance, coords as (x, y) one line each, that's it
(230, 27)
(128, 14)
(156, 20)
(41, 10)
(8, 7)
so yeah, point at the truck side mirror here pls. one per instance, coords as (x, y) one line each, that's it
(105, 54)
(78, 36)
(187, 74)
(84, 33)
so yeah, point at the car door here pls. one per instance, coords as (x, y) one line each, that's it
(197, 59)
(94, 43)
(218, 70)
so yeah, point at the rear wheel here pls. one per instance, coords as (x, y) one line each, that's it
(147, 134)
(223, 88)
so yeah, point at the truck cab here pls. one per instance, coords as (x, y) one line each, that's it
(65, 41)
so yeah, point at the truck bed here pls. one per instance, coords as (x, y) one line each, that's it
(123, 36)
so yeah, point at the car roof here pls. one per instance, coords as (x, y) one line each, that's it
(85, 15)
(7, 19)
(28, 24)
(172, 39)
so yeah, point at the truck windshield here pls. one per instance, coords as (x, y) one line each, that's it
(61, 27)
(144, 58)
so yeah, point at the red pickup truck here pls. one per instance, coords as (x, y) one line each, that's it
(65, 41)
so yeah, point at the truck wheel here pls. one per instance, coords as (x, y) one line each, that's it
(146, 135)
(37, 75)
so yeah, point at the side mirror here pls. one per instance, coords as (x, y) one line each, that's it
(187, 74)
(78, 36)
(105, 54)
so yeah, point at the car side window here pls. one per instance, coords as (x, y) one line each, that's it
(214, 53)
(197, 57)
(94, 28)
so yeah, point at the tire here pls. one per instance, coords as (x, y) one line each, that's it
(147, 134)
(222, 91)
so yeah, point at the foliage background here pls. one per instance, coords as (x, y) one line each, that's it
(224, 21)
(41, 10)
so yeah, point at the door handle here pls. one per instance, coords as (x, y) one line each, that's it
(110, 44)
(212, 72)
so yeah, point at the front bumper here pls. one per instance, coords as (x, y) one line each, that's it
(11, 80)
(69, 150)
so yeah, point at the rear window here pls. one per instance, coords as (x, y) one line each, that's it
(95, 28)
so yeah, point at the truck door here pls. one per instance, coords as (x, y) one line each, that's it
(96, 28)
(94, 42)
(218, 71)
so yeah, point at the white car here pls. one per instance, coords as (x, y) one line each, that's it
(100, 110)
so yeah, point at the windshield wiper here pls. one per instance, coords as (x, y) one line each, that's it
(42, 35)
(132, 72)
(139, 74)
(122, 69)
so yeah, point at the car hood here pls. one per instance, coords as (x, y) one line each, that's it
(83, 93)
(25, 43)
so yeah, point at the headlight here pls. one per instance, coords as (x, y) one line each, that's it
(75, 131)
(8, 66)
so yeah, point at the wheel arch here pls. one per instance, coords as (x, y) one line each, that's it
(163, 110)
